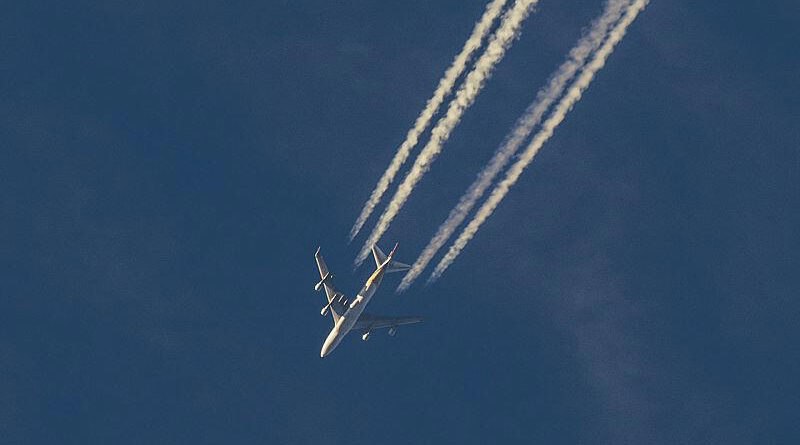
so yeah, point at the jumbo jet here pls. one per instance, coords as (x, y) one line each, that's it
(349, 315)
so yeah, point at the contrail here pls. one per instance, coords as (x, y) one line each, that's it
(465, 96)
(572, 96)
(591, 40)
(446, 83)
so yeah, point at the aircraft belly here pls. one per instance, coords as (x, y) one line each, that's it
(351, 316)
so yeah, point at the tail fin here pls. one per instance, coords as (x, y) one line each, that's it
(380, 258)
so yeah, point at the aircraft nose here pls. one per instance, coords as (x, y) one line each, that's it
(326, 348)
(330, 342)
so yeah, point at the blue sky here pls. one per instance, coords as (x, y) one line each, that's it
(169, 169)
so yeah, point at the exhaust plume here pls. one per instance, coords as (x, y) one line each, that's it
(446, 83)
(571, 97)
(465, 96)
(576, 58)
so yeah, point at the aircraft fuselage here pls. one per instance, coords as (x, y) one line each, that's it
(350, 317)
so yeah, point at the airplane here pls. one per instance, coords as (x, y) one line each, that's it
(349, 315)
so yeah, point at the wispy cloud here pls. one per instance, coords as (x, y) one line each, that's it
(495, 50)
(446, 83)
(576, 58)
(560, 111)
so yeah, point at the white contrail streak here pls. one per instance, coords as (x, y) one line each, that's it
(446, 83)
(576, 58)
(465, 96)
(560, 111)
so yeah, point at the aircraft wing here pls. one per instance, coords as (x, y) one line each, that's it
(337, 300)
(369, 322)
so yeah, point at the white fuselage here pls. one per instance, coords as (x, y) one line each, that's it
(350, 317)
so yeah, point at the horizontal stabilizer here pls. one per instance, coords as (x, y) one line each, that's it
(397, 266)
(380, 259)
(379, 256)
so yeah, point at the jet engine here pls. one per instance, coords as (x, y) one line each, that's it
(365, 336)
(392, 331)
(322, 282)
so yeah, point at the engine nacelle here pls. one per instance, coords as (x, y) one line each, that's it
(324, 310)
(392, 331)
(365, 336)
(324, 280)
